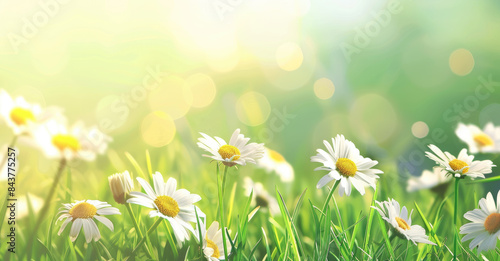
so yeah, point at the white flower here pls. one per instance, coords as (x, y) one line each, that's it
(261, 197)
(176, 206)
(428, 179)
(20, 115)
(463, 165)
(484, 230)
(56, 140)
(121, 185)
(344, 163)
(274, 161)
(236, 152)
(82, 214)
(400, 222)
(487, 140)
(213, 246)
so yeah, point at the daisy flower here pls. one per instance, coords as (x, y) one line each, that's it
(486, 140)
(400, 222)
(20, 115)
(213, 247)
(434, 180)
(343, 162)
(236, 152)
(461, 166)
(176, 206)
(484, 230)
(82, 214)
(273, 161)
(261, 197)
(56, 140)
(120, 184)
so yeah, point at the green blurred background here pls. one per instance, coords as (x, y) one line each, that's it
(392, 76)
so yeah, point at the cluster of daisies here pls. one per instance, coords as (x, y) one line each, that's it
(48, 130)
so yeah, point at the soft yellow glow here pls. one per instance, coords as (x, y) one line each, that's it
(419, 129)
(324, 88)
(173, 96)
(203, 89)
(457, 165)
(461, 62)
(372, 116)
(289, 56)
(346, 167)
(158, 129)
(253, 108)
(66, 141)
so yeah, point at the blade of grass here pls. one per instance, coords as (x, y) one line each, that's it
(370, 219)
(386, 238)
(428, 225)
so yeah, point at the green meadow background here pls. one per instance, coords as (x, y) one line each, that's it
(392, 76)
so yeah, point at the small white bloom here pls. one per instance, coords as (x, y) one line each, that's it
(213, 246)
(463, 165)
(121, 185)
(236, 152)
(400, 222)
(20, 115)
(56, 140)
(273, 161)
(344, 163)
(261, 197)
(176, 206)
(428, 180)
(82, 214)
(486, 140)
(484, 230)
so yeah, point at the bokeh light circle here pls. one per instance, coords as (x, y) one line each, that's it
(203, 89)
(173, 96)
(158, 129)
(324, 88)
(289, 56)
(419, 129)
(372, 117)
(253, 108)
(461, 62)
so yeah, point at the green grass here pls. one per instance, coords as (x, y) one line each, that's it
(311, 225)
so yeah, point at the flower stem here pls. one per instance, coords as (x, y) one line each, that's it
(329, 198)
(46, 206)
(455, 216)
(221, 206)
(150, 230)
(132, 216)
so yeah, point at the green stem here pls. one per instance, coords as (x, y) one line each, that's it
(94, 245)
(328, 198)
(221, 206)
(132, 216)
(455, 217)
(46, 206)
(150, 230)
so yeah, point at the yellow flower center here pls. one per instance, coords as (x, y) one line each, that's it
(228, 151)
(66, 141)
(483, 140)
(492, 223)
(457, 164)
(167, 206)
(213, 246)
(346, 167)
(83, 210)
(402, 223)
(276, 156)
(21, 115)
